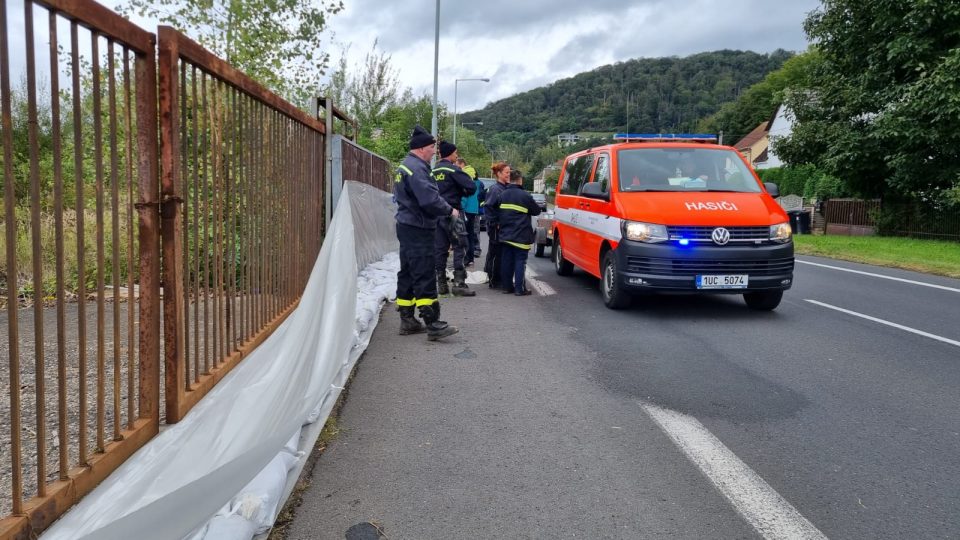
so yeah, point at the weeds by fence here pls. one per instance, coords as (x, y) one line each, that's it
(239, 205)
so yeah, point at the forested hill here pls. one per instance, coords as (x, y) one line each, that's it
(643, 95)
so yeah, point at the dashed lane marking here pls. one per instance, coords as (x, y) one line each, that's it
(759, 504)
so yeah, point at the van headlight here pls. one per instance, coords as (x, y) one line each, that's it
(644, 232)
(781, 232)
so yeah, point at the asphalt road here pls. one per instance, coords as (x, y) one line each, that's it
(855, 422)
(554, 417)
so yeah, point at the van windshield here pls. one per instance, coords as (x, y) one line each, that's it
(684, 169)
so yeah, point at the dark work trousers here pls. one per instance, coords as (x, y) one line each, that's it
(471, 237)
(442, 245)
(492, 265)
(417, 280)
(514, 264)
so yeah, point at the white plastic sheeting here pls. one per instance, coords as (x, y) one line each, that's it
(210, 463)
(473, 277)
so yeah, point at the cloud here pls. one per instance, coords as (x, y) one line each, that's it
(579, 51)
(524, 44)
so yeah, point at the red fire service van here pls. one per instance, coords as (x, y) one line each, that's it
(675, 214)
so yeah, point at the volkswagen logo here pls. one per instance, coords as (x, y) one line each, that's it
(720, 236)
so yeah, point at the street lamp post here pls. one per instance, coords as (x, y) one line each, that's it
(455, 83)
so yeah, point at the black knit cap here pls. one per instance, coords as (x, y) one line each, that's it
(420, 138)
(447, 148)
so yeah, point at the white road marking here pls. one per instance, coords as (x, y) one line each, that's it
(888, 323)
(759, 504)
(540, 287)
(852, 271)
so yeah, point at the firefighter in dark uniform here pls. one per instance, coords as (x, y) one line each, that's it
(453, 184)
(514, 208)
(419, 206)
(501, 172)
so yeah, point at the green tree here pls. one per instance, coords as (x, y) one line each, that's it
(737, 118)
(375, 90)
(277, 42)
(644, 95)
(882, 106)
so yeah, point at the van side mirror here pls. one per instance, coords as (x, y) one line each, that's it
(594, 191)
(772, 189)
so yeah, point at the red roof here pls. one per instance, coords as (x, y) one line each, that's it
(752, 137)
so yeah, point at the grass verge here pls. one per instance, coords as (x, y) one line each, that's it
(937, 257)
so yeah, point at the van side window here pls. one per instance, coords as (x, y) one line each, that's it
(568, 174)
(577, 173)
(602, 174)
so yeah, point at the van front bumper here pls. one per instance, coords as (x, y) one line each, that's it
(672, 268)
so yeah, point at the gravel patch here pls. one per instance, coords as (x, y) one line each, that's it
(50, 398)
(71, 344)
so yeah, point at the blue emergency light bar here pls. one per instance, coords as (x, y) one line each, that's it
(666, 137)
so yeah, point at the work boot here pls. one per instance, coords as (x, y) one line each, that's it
(460, 284)
(409, 323)
(436, 328)
(442, 286)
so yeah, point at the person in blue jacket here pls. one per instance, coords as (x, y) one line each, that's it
(514, 208)
(419, 206)
(453, 184)
(471, 207)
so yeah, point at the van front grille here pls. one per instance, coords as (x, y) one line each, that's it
(692, 267)
(702, 234)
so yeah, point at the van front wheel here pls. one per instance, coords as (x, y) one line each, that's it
(614, 295)
(763, 301)
(563, 266)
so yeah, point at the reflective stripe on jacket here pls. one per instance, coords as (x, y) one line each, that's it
(452, 183)
(418, 201)
(514, 208)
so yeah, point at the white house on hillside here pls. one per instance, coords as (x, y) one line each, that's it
(566, 139)
(780, 126)
(757, 147)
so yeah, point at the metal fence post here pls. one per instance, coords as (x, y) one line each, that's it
(328, 169)
(171, 223)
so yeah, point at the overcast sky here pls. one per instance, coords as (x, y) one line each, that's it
(523, 44)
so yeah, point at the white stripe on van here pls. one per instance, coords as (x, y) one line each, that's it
(594, 222)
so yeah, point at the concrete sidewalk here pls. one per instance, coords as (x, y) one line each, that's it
(499, 432)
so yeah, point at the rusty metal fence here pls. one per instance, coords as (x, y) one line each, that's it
(80, 223)
(917, 220)
(358, 164)
(858, 217)
(851, 217)
(242, 191)
(230, 178)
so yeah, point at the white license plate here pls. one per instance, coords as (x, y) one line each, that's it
(732, 281)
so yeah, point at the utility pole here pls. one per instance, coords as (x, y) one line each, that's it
(436, 70)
